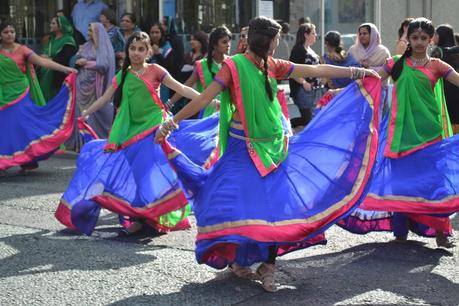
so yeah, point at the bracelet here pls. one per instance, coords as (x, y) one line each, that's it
(168, 126)
(356, 73)
(168, 104)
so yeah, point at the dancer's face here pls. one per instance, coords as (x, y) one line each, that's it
(223, 45)
(419, 41)
(273, 45)
(8, 35)
(138, 51)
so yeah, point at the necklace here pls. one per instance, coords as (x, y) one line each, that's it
(9, 50)
(139, 72)
(420, 61)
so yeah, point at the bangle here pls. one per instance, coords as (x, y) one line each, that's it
(168, 126)
(168, 104)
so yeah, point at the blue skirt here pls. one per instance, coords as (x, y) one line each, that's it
(416, 192)
(137, 181)
(240, 214)
(30, 132)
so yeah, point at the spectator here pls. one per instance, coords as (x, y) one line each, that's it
(242, 45)
(444, 40)
(304, 91)
(337, 56)
(85, 12)
(127, 27)
(199, 45)
(108, 20)
(368, 49)
(97, 69)
(60, 48)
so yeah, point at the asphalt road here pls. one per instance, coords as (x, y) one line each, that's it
(41, 263)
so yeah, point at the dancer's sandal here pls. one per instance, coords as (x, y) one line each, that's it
(265, 273)
(401, 239)
(443, 241)
(242, 272)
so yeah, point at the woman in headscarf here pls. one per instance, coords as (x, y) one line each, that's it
(60, 48)
(447, 51)
(368, 49)
(96, 60)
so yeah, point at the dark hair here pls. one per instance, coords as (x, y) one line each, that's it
(262, 30)
(285, 27)
(419, 23)
(403, 25)
(366, 26)
(333, 39)
(304, 20)
(445, 35)
(131, 16)
(203, 40)
(163, 33)
(6, 23)
(216, 34)
(110, 15)
(136, 36)
(302, 29)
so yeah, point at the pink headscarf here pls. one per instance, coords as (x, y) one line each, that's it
(375, 54)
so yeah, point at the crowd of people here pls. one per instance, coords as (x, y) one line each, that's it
(378, 156)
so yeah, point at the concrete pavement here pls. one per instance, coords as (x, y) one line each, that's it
(41, 263)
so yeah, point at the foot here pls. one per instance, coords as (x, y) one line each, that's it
(265, 273)
(443, 241)
(401, 239)
(242, 272)
(133, 229)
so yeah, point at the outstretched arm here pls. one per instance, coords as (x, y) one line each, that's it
(328, 71)
(179, 87)
(453, 77)
(189, 82)
(191, 108)
(99, 102)
(47, 63)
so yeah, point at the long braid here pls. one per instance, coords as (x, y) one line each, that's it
(136, 36)
(268, 87)
(210, 58)
(119, 90)
(262, 31)
(398, 66)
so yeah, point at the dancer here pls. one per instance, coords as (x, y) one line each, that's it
(264, 197)
(205, 70)
(415, 183)
(127, 173)
(33, 129)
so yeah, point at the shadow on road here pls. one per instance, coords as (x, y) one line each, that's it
(45, 251)
(407, 271)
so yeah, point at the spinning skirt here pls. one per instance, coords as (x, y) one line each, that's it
(240, 214)
(137, 181)
(421, 187)
(30, 133)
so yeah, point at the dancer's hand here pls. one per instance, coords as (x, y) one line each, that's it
(70, 70)
(215, 104)
(371, 73)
